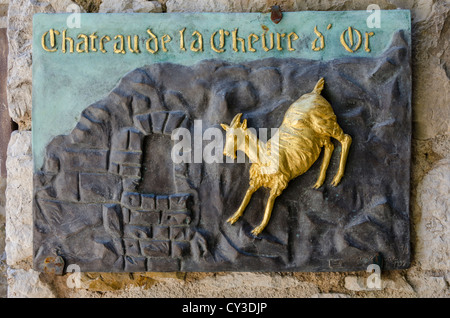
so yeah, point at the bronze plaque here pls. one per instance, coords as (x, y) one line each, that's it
(222, 142)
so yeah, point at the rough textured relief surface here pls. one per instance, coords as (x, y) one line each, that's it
(19, 219)
(19, 58)
(110, 198)
(434, 249)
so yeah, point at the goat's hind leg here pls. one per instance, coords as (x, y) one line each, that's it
(345, 141)
(243, 205)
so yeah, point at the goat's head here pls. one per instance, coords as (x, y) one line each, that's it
(235, 135)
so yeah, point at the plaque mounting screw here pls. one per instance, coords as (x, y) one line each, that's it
(275, 14)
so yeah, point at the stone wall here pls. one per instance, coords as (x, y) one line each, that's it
(5, 130)
(429, 275)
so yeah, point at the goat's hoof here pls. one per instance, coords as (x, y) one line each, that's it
(336, 180)
(257, 230)
(232, 220)
(317, 185)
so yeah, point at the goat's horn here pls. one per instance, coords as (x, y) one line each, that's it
(236, 120)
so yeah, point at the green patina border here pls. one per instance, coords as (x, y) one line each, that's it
(64, 84)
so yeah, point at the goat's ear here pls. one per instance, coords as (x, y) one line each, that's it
(236, 120)
(244, 124)
(224, 126)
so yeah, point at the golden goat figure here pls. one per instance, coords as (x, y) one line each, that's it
(307, 126)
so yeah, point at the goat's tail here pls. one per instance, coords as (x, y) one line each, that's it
(319, 86)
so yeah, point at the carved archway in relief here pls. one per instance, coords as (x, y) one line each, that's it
(152, 221)
(96, 180)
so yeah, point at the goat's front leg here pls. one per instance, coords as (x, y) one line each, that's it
(345, 141)
(329, 147)
(267, 214)
(243, 205)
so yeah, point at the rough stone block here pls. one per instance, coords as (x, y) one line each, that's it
(114, 168)
(330, 295)
(162, 203)
(428, 285)
(143, 6)
(61, 6)
(178, 202)
(177, 233)
(51, 164)
(126, 157)
(120, 140)
(216, 6)
(168, 265)
(119, 246)
(135, 264)
(175, 218)
(19, 192)
(86, 160)
(138, 217)
(19, 86)
(6, 124)
(67, 219)
(126, 215)
(144, 123)
(356, 283)
(140, 104)
(90, 132)
(433, 248)
(131, 199)
(174, 120)
(47, 192)
(158, 121)
(181, 233)
(26, 284)
(99, 187)
(180, 249)
(148, 202)
(155, 248)
(186, 123)
(135, 141)
(98, 113)
(130, 184)
(138, 231)
(161, 232)
(80, 133)
(112, 219)
(130, 171)
(122, 99)
(132, 247)
(66, 185)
